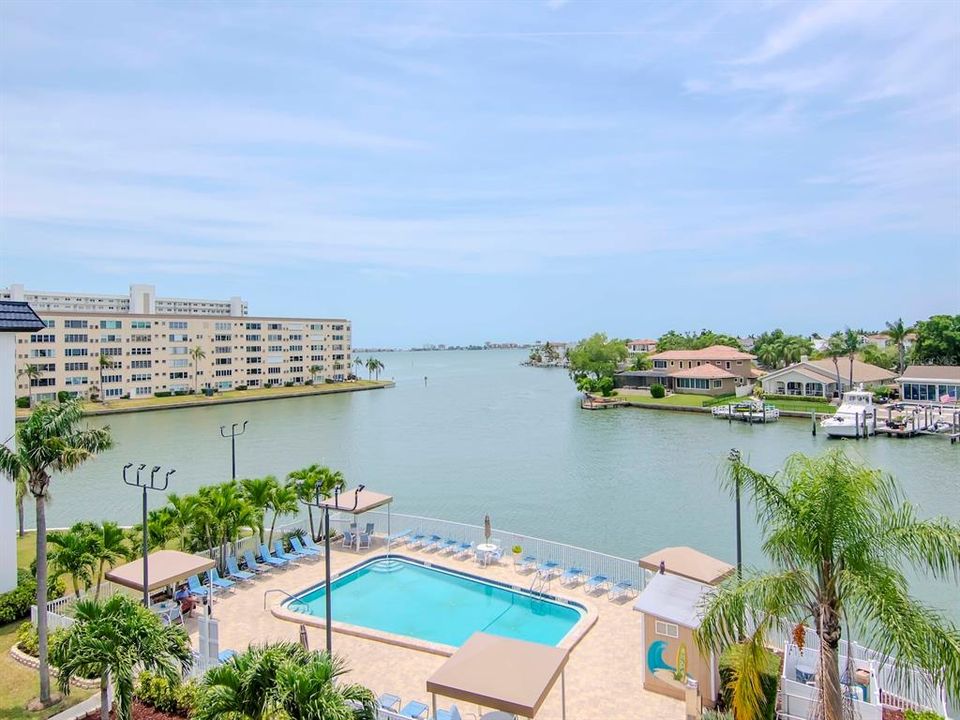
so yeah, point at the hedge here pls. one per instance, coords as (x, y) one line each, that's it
(769, 680)
(16, 603)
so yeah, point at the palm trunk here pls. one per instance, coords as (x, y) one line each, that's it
(105, 697)
(900, 354)
(272, 526)
(42, 599)
(313, 535)
(851, 372)
(96, 594)
(831, 695)
(836, 365)
(20, 517)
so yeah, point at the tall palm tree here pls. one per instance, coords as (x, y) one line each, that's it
(111, 548)
(314, 371)
(358, 363)
(103, 362)
(371, 366)
(268, 681)
(20, 491)
(838, 535)
(283, 501)
(258, 492)
(835, 350)
(851, 346)
(897, 332)
(73, 553)
(377, 367)
(181, 512)
(110, 640)
(769, 355)
(50, 441)
(314, 481)
(197, 354)
(31, 372)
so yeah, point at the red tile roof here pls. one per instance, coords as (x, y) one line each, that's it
(704, 371)
(714, 352)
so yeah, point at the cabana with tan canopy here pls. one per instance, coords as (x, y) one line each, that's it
(513, 676)
(689, 563)
(167, 567)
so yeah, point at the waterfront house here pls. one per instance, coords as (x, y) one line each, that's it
(818, 378)
(643, 346)
(716, 370)
(930, 383)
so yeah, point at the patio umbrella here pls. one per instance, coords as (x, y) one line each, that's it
(486, 527)
(303, 638)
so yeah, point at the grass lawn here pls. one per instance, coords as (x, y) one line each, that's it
(674, 400)
(804, 406)
(174, 401)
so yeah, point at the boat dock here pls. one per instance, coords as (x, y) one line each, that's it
(913, 420)
(748, 412)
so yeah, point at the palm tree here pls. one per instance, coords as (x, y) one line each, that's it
(377, 367)
(103, 362)
(111, 547)
(20, 492)
(897, 332)
(50, 441)
(837, 536)
(110, 640)
(74, 554)
(314, 370)
(313, 481)
(851, 346)
(283, 679)
(769, 355)
(835, 350)
(31, 372)
(371, 366)
(181, 512)
(258, 492)
(358, 363)
(283, 501)
(197, 354)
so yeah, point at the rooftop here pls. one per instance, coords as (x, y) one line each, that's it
(673, 598)
(709, 371)
(17, 316)
(688, 563)
(932, 372)
(714, 352)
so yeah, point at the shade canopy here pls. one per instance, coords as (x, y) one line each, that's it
(366, 500)
(500, 673)
(166, 567)
(675, 599)
(689, 563)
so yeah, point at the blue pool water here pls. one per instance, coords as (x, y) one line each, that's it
(407, 598)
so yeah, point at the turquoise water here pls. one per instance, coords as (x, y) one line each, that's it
(487, 436)
(407, 598)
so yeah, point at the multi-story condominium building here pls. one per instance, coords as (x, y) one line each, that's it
(131, 353)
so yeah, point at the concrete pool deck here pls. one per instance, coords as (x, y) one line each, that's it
(604, 677)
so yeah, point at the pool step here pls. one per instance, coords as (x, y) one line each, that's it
(386, 566)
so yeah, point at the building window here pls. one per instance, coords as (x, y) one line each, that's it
(142, 351)
(660, 364)
(223, 361)
(75, 338)
(222, 338)
(140, 364)
(141, 377)
(813, 389)
(222, 326)
(179, 375)
(75, 366)
(718, 383)
(142, 391)
(76, 380)
(273, 371)
(112, 379)
(75, 323)
(178, 351)
(253, 326)
(794, 388)
(221, 373)
(728, 364)
(75, 352)
(179, 324)
(179, 337)
(43, 338)
(113, 392)
(141, 324)
(692, 383)
(43, 353)
(110, 324)
(667, 629)
(179, 363)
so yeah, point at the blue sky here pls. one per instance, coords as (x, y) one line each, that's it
(457, 172)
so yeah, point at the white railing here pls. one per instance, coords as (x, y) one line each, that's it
(55, 621)
(568, 556)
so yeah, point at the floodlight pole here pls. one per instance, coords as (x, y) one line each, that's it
(153, 484)
(318, 503)
(233, 435)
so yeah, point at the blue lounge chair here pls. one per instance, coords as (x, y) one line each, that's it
(389, 702)
(624, 588)
(308, 542)
(226, 655)
(218, 581)
(396, 537)
(448, 546)
(270, 559)
(549, 569)
(572, 576)
(363, 541)
(452, 714)
(597, 582)
(527, 562)
(300, 548)
(416, 540)
(283, 554)
(464, 549)
(234, 571)
(196, 589)
(432, 543)
(252, 565)
(414, 709)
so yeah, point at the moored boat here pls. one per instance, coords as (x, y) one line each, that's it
(856, 417)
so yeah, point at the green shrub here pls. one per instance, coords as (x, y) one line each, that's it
(63, 396)
(240, 387)
(769, 680)
(28, 639)
(605, 386)
(288, 383)
(268, 384)
(16, 603)
(23, 402)
(308, 382)
(921, 715)
(658, 391)
(169, 697)
(163, 393)
(329, 381)
(716, 715)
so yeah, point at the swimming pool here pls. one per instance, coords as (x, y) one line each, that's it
(409, 598)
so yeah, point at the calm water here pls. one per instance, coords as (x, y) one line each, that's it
(409, 599)
(486, 435)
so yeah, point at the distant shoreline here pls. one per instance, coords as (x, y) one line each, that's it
(121, 407)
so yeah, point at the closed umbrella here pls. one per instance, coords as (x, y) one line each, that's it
(303, 638)
(486, 528)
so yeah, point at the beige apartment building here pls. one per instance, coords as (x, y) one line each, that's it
(146, 345)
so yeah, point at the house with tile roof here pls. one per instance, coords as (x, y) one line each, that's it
(645, 345)
(716, 370)
(930, 384)
(818, 378)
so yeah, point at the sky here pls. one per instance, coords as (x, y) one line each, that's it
(458, 172)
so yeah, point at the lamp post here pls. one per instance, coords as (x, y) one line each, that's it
(233, 435)
(152, 484)
(735, 458)
(318, 503)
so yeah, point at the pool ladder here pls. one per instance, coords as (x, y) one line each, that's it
(296, 600)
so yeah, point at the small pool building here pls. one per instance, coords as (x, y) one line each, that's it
(681, 578)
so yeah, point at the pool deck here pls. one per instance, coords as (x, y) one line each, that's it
(604, 677)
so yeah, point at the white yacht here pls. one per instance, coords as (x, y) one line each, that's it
(855, 417)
